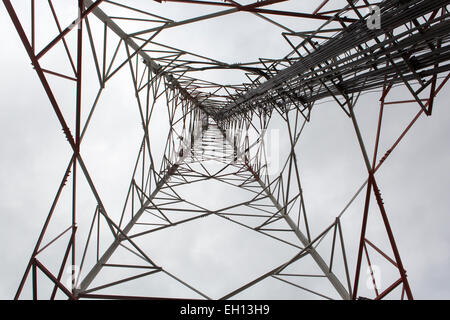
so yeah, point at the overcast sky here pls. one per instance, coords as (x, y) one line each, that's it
(211, 254)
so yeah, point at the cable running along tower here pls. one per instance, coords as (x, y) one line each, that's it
(216, 131)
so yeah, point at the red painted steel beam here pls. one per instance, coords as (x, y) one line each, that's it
(381, 252)
(355, 7)
(369, 263)
(44, 229)
(120, 297)
(78, 126)
(417, 116)
(372, 186)
(256, 8)
(362, 237)
(34, 279)
(226, 4)
(63, 264)
(60, 75)
(53, 278)
(324, 2)
(66, 47)
(300, 15)
(39, 71)
(371, 180)
(83, 15)
(389, 289)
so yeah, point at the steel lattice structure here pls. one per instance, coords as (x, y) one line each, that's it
(228, 125)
